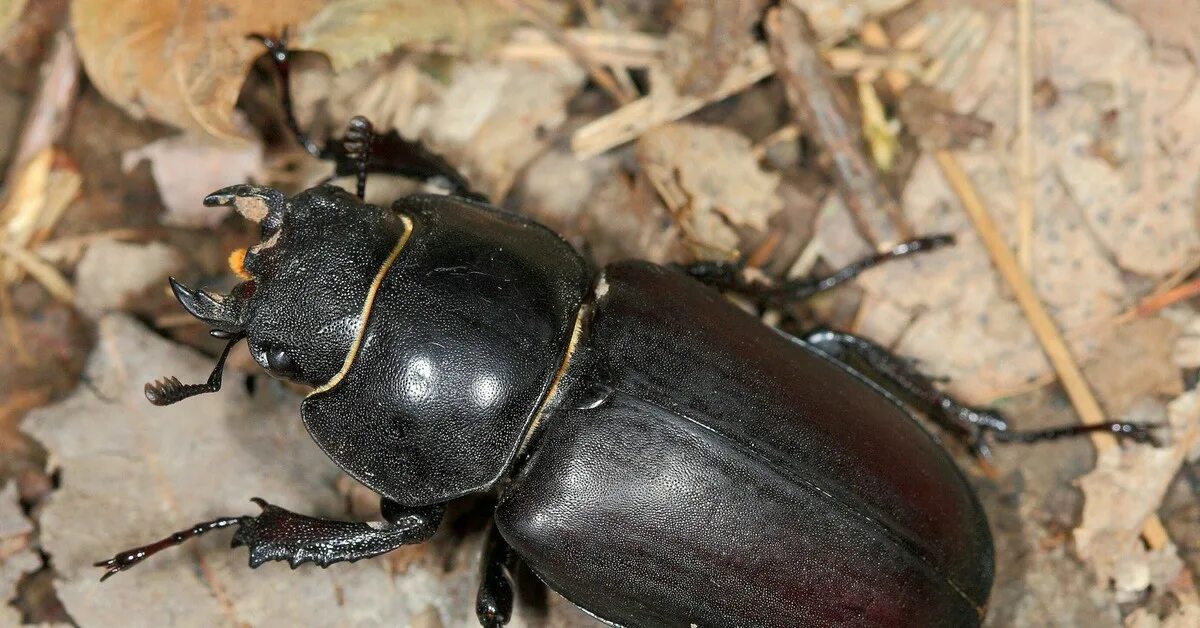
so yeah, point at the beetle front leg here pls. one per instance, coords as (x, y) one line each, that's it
(279, 534)
(899, 377)
(494, 602)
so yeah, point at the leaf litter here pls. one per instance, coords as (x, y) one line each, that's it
(512, 106)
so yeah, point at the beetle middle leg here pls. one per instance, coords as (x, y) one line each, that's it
(980, 425)
(731, 275)
(279, 534)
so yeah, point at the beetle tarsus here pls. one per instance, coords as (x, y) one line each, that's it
(123, 561)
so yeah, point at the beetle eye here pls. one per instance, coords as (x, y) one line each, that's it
(280, 363)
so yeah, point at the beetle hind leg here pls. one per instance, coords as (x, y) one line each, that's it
(981, 427)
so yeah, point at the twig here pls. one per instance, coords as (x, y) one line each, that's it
(51, 108)
(1024, 140)
(598, 73)
(40, 269)
(660, 107)
(821, 108)
(1069, 373)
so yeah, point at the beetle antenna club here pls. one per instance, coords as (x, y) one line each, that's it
(357, 144)
(169, 390)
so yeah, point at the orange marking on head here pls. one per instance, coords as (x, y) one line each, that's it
(237, 263)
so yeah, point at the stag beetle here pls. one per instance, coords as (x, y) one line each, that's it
(660, 456)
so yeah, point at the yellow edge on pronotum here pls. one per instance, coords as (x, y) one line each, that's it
(366, 311)
(562, 370)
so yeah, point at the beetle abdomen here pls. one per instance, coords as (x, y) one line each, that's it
(816, 489)
(645, 518)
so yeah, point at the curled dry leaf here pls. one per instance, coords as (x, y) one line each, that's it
(133, 472)
(353, 31)
(1124, 489)
(182, 63)
(710, 179)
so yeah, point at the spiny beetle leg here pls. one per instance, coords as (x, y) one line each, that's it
(494, 602)
(980, 426)
(279, 534)
(731, 275)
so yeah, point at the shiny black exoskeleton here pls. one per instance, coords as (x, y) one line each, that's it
(661, 457)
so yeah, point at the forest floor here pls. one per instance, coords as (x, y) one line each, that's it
(668, 130)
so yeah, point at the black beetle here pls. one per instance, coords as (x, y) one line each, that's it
(661, 457)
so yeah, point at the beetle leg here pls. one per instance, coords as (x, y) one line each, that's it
(494, 603)
(979, 425)
(280, 54)
(731, 276)
(388, 153)
(279, 534)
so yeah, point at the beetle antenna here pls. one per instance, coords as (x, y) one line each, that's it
(169, 390)
(357, 145)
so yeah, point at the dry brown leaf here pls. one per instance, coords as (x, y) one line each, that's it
(17, 555)
(10, 10)
(709, 177)
(1126, 488)
(132, 472)
(965, 325)
(1123, 134)
(1137, 210)
(1172, 23)
(187, 168)
(353, 31)
(112, 272)
(833, 20)
(1135, 364)
(705, 40)
(182, 63)
(495, 117)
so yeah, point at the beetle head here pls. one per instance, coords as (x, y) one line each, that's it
(307, 281)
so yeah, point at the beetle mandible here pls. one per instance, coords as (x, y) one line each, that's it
(661, 457)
